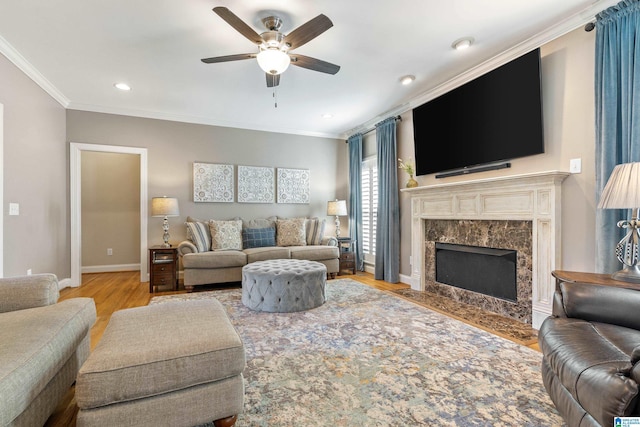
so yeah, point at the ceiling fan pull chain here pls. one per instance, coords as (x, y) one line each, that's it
(275, 97)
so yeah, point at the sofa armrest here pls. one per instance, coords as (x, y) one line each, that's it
(601, 303)
(329, 241)
(21, 292)
(187, 247)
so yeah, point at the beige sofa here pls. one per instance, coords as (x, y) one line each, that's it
(43, 343)
(212, 253)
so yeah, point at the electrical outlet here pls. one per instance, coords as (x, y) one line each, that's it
(109, 251)
(575, 165)
(29, 272)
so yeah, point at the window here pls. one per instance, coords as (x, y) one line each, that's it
(369, 208)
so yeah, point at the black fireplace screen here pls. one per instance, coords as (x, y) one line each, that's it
(488, 271)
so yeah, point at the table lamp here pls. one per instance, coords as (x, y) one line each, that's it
(623, 192)
(337, 208)
(166, 207)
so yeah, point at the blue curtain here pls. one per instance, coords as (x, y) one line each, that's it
(388, 217)
(355, 196)
(617, 98)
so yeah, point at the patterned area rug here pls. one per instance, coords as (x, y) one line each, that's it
(369, 358)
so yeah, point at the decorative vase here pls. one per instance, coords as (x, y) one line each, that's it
(411, 182)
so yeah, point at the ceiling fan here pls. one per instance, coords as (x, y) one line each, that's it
(274, 48)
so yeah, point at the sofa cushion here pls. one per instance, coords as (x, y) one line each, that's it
(267, 253)
(586, 363)
(291, 232)
(198, 233)
(226, 235)
(315, 253)
(258, 237)
(218, 259)
(36, 343)
(315, 230)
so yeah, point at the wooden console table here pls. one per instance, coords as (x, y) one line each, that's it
(594, 278)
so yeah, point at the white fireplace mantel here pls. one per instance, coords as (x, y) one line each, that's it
(532, 197)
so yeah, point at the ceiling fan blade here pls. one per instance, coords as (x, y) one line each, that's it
(272, 80)
(308, 31)
(238, 24)
(228, 58)
(314, 64)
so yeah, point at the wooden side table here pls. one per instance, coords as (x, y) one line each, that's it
(163, 267)
(592, 278)
(347, 255)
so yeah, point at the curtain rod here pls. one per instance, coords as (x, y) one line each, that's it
(398, 119)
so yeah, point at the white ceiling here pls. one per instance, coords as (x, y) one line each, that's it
(77, 49)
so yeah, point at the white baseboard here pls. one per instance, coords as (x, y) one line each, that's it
(110, 268)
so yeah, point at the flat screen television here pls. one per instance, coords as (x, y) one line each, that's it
(493, 118)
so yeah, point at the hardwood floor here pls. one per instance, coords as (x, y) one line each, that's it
(116, 291)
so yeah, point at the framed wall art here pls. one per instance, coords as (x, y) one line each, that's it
(293, 185)
(213, 182)
(256, 184)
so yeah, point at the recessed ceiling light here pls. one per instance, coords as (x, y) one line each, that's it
(327, 115)
(122, 86)
(407, 80)
(462, 43)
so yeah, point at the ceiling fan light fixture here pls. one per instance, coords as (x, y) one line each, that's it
(273, 61)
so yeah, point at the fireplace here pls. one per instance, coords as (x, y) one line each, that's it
(508, 235)
(519, 213)
(487, 271)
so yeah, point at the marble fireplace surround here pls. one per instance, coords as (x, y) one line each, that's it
(534, 197)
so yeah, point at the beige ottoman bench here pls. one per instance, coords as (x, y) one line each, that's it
(174, 363)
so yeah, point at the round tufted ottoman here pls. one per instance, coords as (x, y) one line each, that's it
(283, 285)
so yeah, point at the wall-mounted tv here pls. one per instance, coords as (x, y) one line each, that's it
(493, 118)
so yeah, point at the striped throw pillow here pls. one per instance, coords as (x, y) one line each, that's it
(315, 231)
(198, 233)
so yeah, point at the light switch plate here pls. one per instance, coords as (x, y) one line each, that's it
(575, 166)
(14, 209)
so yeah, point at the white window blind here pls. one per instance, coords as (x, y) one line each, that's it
(369, 207)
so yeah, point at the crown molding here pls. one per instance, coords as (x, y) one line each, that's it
(25, 66)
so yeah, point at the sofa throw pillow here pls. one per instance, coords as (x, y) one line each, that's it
(315, 231)
(291, 232)
(198, 233)
(258, 237)
(226, 235)
(260, 223)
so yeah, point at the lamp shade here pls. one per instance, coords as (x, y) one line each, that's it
(337, 207)
(164, 206)
(273, 61)
(623, 188)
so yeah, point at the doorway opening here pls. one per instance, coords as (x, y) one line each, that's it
(75, 152)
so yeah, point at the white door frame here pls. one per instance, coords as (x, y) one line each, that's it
(75, 151)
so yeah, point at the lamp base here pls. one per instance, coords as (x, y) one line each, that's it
(628, 274)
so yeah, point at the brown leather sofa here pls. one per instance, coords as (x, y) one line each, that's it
(591, 349)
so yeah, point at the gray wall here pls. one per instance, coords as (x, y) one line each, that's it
(173, 148)
(35, 176)
(110, 211)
